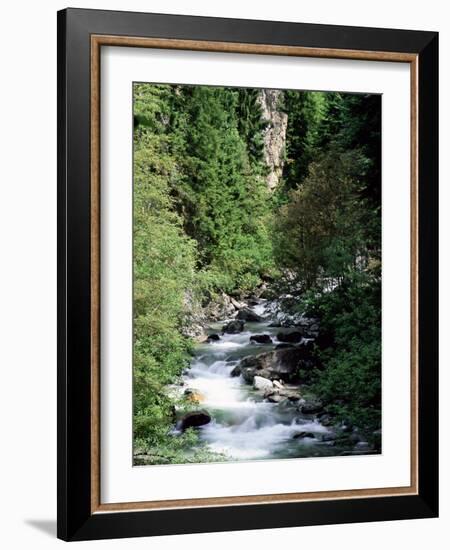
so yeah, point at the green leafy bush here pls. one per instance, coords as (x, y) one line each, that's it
(350, 378)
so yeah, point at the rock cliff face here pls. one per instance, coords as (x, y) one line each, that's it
(274, 136)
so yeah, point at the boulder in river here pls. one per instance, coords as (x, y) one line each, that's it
(236, 371)
(290, 337)
(262, 384)
(311, 406)
(261, 339)
(194, 396)
(246, 314)
(292, 395)
(194, 419)
(213, 338)
(234, 327)
(275, 398)
(277, 364)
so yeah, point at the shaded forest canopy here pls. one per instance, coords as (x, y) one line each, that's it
(207, 222)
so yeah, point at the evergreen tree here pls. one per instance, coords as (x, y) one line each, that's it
(306, 111)
(251, 125)
(224, 198)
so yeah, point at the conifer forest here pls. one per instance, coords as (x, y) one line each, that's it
(257, 274)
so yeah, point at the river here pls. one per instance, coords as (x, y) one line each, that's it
(244, 426)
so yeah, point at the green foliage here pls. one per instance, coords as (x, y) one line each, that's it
(306, 112)
(318, 233)
(222, 195)
(205, 223)
(327, 240)
(353, 121)
(201, 209)
(251, 125)
(164, 266)
(183, 449)
(350, 378)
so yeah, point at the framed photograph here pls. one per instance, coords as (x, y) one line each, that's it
(247, 253)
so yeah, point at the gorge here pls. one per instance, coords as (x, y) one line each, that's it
(257, 274)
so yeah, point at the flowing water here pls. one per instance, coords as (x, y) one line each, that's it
(243, 425)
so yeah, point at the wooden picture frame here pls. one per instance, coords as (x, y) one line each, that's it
(81, 35)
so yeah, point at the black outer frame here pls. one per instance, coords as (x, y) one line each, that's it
(75, 521)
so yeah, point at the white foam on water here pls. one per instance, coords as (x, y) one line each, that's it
(250, 439)
(313, 427)
(243, 427)
(226, 345)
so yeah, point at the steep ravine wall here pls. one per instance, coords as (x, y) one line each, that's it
(274, 135)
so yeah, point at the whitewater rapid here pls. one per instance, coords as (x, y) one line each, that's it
(243, 425)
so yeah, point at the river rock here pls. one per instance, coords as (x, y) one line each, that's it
(291, 395)
(246, 314)
(290, 337)
(270, 391)
(311, 406)
(275, 365)
(265, 292)
(355, 437)
(325, 419)
(213, 338)
(233, 327)
(220, 307)
(262, 384)
(193, 395)
(327, 437)
(304, 321)
(236, 371)
(277, 384)
(275, 398)
(346, 427)
(284, 346)
(302, 435)
(261, 339)
(195, 321)
(194, 329)
(194, 419)
(236, 304)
